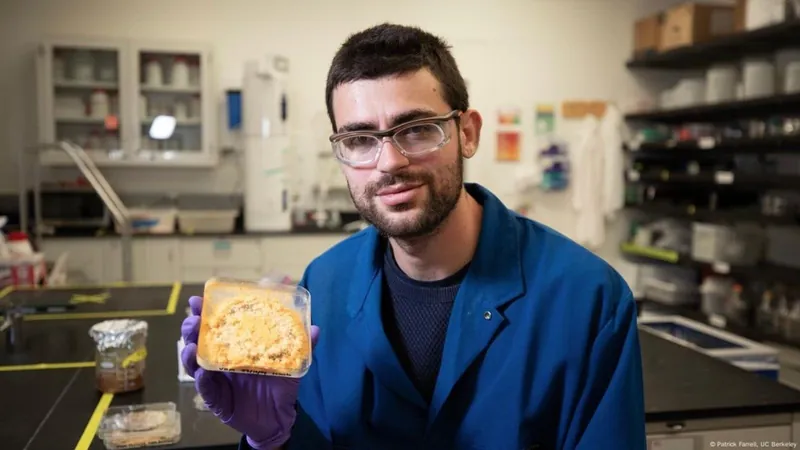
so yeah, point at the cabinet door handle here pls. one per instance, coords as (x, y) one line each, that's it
(676, 426)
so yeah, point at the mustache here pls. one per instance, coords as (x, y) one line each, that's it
(400, 178)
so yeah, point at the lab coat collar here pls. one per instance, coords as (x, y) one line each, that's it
(497, 258)
(493, 279)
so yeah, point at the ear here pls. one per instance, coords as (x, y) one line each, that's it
(471, 123)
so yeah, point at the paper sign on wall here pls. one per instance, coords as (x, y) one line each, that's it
(509, 116)
(581, 109)
(508, 146)
(545, 122)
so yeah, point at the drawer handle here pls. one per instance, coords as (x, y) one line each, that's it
(676, 426)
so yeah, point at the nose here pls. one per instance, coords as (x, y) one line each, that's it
(390, 159)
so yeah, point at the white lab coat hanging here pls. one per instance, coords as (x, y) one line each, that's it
(587, 195)
(598, 186)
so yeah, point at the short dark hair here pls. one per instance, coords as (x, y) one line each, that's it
(389, 49)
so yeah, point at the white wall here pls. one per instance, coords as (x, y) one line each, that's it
(513, 52)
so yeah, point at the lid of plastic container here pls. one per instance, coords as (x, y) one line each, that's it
(17, 236)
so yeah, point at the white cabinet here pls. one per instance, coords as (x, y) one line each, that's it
(701, 440)
(87, 259)
(166, 259)
(156, 260)
(238, 257)
(292, 254)
(720, 432)
(128, 103)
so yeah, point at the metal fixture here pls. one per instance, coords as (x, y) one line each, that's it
(100, 185)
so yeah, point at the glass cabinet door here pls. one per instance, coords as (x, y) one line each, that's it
(84, 94)
(171, 105)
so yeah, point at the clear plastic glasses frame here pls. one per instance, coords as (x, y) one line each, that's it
(363, 148)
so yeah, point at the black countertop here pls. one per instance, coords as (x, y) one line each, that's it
(681, 383)
(51, 406)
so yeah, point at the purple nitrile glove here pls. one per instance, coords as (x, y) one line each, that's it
(259, 406)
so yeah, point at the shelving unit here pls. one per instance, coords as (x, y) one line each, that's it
(719, 179)
(719, 164)
(727, 111)
(691, 212)
(711, 147)
(724, 49)
(104, 94)
(760, 272)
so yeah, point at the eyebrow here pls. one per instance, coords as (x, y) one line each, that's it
(398, 119)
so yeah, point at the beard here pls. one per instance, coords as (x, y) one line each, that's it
(444, 189)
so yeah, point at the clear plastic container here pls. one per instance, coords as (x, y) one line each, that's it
(258, 328)
(137, 426)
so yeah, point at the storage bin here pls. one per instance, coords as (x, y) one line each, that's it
(207, 221)
(721, 81)
(151, 221)
(693, 23)
(670, 292)
(647, 35)
(23, 270)
(740, 245)
(783, 246)
(759, 77)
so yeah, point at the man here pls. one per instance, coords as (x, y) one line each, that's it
(450, 323)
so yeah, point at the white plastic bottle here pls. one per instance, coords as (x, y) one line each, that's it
(180, 73)
(154, 75)
(5, 252)
(99, 104)
(181, 110)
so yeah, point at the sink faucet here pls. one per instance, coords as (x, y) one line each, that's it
(11, 328)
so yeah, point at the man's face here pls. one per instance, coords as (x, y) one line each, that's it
(402, 197)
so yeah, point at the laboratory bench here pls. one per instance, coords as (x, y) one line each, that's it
(50, 399)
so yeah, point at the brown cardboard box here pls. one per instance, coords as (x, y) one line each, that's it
(740, 16)
(694, 23)
(647, 34)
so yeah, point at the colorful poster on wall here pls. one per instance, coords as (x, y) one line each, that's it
(508, 146)
(545, 122)
(509, 116)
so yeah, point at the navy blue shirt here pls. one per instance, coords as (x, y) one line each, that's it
(415, 315)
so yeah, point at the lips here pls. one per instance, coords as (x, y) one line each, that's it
(394, 196)
(390, 190)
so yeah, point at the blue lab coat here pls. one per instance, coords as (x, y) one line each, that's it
(541, 351)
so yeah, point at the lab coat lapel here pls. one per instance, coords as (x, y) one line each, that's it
(493, 279)
(366, 326)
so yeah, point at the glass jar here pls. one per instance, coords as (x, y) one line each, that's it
(120, 355)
